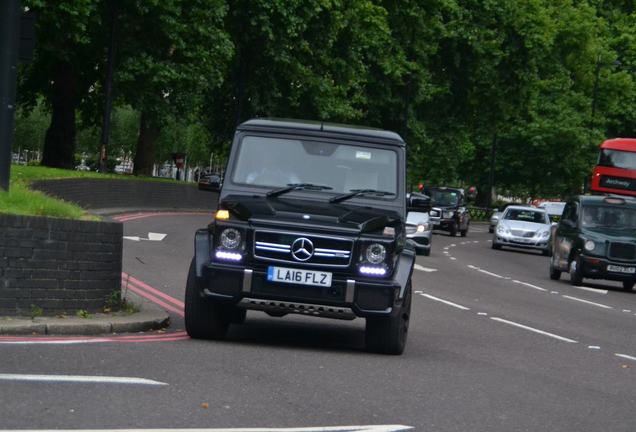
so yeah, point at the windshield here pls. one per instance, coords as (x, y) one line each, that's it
(608, 217)
(526, 216)
(443, 197)
(278, 162)
(617, 159)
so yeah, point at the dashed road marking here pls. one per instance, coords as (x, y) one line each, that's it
(594, 347)
(529, 285)
(587, 302)
(446, 302)
(369, 428)
(424, 269)
(79, 379)
(594, 290)
(625, 356)
(534, 330)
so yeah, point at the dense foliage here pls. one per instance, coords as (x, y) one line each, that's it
(528, 87)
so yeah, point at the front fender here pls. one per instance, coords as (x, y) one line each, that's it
(202, 250)
(404, 269)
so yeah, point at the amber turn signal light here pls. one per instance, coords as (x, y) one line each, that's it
(222, 214)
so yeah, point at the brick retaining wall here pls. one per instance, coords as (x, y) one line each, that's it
(58, 265)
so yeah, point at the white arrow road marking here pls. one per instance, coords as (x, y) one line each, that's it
(151, 237)
(78, 379)
(370, 428)
(532, 329)
(424, 269)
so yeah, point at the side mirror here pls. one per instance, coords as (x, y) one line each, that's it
(420, 203)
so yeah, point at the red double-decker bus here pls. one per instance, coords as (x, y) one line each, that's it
(615, 171)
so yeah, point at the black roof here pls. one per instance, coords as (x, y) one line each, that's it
(322, 128)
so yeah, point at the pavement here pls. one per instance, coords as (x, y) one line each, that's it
(148, 317)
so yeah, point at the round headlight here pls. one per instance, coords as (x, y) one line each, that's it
(589, 245)
(376, 253)
(230, 238)
(422, 227)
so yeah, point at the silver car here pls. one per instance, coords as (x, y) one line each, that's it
(523, 227)
(419, 230)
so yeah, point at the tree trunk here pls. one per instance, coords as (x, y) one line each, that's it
(145, 155)
(59, 142)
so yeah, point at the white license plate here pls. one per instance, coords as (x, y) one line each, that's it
(297, 276)
(621, 269)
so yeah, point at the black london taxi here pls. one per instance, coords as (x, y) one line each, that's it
(596, 239)
(311, 220)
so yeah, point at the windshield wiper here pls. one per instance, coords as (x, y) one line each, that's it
(296, 186)
(356, 192)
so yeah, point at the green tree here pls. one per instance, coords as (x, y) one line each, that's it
(170, 53)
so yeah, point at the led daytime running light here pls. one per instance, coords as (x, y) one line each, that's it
(374, 271)
(228, 256)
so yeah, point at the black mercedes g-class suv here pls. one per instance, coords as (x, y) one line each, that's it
(311, 220)
(596, 238)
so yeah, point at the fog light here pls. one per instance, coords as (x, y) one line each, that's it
(228, 256)
(372, 271)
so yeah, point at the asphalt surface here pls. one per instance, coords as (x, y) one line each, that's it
(494, 345)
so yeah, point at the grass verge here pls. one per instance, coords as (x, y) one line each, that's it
(21, 200)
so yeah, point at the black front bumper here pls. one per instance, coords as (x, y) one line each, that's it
(241, 285)
(597, 268)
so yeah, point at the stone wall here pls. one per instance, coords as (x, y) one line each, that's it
(129, 194)
(58, 265)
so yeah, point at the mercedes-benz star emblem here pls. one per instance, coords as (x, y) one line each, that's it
(302, 249)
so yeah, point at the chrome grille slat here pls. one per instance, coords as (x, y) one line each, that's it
(329, 251)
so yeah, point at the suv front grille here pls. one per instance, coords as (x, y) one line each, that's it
(622, 251)
(325, 250)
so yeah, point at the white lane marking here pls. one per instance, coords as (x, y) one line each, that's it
(529, 285)
(424, 269)
(79, 379)
(418, 292)
(453, 245)
(594, 347)
(151, 237)
(446, 248)
(482, 313)
(370, 428)
(453, 258)
(476, 241)
(532, 329)
(486, 272)
(554, 292)
(594, 290)
(455, 305)
(446, 252)
(588, 302)
(627, 311)
(625, 356)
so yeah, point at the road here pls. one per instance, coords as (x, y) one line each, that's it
(494, 345)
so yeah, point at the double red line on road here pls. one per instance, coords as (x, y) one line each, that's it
(154, 295)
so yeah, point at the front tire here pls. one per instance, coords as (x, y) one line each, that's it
(496, 245)
(387, 335)
(464, 232)
(453, 230)
(204, 318)
(426, 252)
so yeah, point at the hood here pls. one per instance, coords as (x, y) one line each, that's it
(523, 225)
(278, 211)
(415, 218)
(627, 235)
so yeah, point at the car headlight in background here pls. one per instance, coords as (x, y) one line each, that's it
(423, 227)
(589, 245)
(230, 238)
(501, 229)
(545, 234)
(375, 253)
(448, 214)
